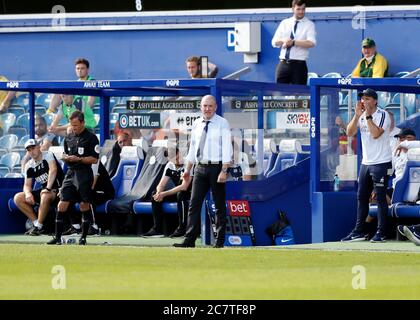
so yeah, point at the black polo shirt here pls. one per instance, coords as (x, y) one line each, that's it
(85, 144)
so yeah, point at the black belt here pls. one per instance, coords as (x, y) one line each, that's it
(209, 163)
(292, 61)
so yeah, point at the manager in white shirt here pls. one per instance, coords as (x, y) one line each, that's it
(294, 36)
(211, 153)
(376, 167)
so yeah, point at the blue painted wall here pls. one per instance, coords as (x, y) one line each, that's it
(161, 53)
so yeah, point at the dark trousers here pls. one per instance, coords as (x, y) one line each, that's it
(373, 177)
(205, 178)
(182, 198)
(292, 72)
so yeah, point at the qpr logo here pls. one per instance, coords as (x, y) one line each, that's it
(313, 127)
(123, 121)
(418, 81)
(172, 83)
(235, 240)
(344, 81)
(12, 85)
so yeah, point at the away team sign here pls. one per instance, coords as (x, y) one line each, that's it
(293, 120)
(164, 105)
(139, 120)
(271, 104)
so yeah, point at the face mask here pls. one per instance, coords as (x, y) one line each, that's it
(369, 59)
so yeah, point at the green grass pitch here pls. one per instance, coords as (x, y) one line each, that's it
(114, 272)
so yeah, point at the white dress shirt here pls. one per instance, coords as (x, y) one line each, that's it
(218, 145)
(305, 31)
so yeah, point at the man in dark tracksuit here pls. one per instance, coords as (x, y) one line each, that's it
(81, 151)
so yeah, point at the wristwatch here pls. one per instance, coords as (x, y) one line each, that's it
(369, 117)
(48, 189)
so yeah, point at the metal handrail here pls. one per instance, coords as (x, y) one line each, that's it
(235, 75)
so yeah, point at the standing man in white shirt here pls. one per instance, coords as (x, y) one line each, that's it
(294, 36)
(211, 153)
(374, 124)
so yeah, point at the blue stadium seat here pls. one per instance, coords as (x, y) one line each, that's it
(19, 131)
(7, 120)
(384, 98)
(312, 75)
(113, 119)
(49, 117)
(16, 109)
(97, 109)
(4, 170)
(22, 141)
(20, 150)
(22, 100)
(119, 108)
(332, 75)
(401, 74)
(290, 152)
(127, 173)
(41, 109)
(274, 148)
(8, 141)
(403, 203)
(13, 175)
(146, 207)
(43, 99)
(23, 120)
(353, 96)
(396, 110)
(10, 160)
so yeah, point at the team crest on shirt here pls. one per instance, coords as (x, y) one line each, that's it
(80, 150)
(97, 148)
(152, 160)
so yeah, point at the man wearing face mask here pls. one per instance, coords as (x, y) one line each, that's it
(373, 64)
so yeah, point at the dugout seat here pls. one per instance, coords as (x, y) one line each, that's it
(131, 163)
(145, 207)
(289, 153)
(403, 203)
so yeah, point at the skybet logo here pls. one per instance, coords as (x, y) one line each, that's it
(298, 118)
(239, 208)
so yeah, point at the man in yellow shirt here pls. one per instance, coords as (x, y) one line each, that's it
(373, 64)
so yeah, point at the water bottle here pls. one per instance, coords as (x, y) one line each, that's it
(336, 183)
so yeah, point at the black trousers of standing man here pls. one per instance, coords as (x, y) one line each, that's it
(292, 72)
(205, 178)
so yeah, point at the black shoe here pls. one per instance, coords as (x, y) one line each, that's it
(218, 245)
(179, 232)
(378, 237)
(82, 241)
(71, 231)
(354, 237)
(184, 245)
(54, 240)
(36, 231)
(152, 233)
(94, 231)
